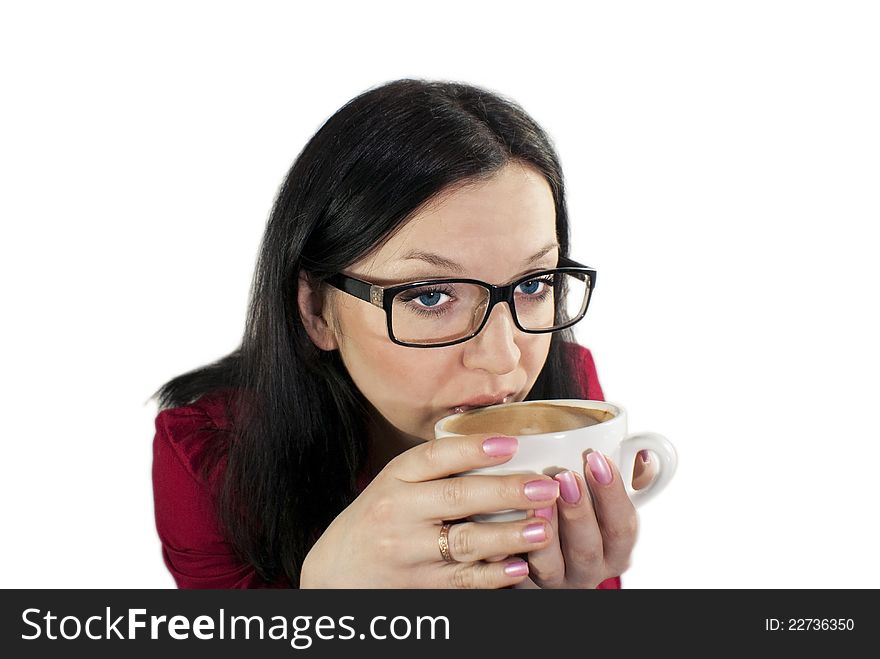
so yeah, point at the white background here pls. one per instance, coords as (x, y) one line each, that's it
(722, 168)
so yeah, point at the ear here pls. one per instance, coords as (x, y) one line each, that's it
(313, 311)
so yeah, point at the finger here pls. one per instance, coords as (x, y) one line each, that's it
(644, 470)
(480, 541)
(439, 458)
(462, 496)
(547, 564)
(484, 575)
(580, 536)
(614, 510)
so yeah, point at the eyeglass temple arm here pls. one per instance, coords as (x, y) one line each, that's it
(565, 262)
(360, 289)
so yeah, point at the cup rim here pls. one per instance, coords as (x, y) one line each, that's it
(602, 405)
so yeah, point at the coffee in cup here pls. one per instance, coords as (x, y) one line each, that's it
(534, 419)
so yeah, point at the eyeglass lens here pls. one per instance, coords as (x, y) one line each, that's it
(444, 312)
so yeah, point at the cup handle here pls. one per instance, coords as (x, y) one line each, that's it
(668, 461)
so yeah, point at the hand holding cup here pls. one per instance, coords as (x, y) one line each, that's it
(593, 521)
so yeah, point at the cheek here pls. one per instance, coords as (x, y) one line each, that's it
(412, 372)
(387, 373)
(534, 353)
(405, 385)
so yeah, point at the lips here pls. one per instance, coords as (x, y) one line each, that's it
(482, 401)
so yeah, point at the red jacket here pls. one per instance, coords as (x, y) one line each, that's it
(193, 546)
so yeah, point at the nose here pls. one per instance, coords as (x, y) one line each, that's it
(494, 349)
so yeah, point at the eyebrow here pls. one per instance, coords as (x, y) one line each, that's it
(447, 264)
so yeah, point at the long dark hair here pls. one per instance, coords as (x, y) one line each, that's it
(298, 438)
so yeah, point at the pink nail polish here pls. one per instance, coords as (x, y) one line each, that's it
(499, 446)
(545, 513)
(541, 490)
(516, 569)
(568, 487)
(599, 467)
(535, 532)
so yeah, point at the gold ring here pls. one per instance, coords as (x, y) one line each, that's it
(443, 541)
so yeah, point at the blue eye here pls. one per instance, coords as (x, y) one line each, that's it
(530, 287)
(429, 299)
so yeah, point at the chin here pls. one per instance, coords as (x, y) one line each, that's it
(420, 435)
(427, 434)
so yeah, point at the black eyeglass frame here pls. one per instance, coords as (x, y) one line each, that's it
(383, 297)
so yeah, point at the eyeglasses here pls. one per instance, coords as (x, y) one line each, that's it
(435, 313)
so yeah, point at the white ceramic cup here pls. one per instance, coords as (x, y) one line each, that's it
(552, 452)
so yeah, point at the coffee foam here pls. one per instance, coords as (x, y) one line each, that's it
(526, 419)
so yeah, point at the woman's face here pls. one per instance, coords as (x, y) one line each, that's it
(492, 230)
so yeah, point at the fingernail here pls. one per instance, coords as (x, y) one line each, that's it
(541, 490)
(498, 446)
(568, 487)
(599, 467)
(516, 569)
(545, 513)
(645, 455)
(535, 532)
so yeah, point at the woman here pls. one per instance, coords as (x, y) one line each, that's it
(304, 458)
